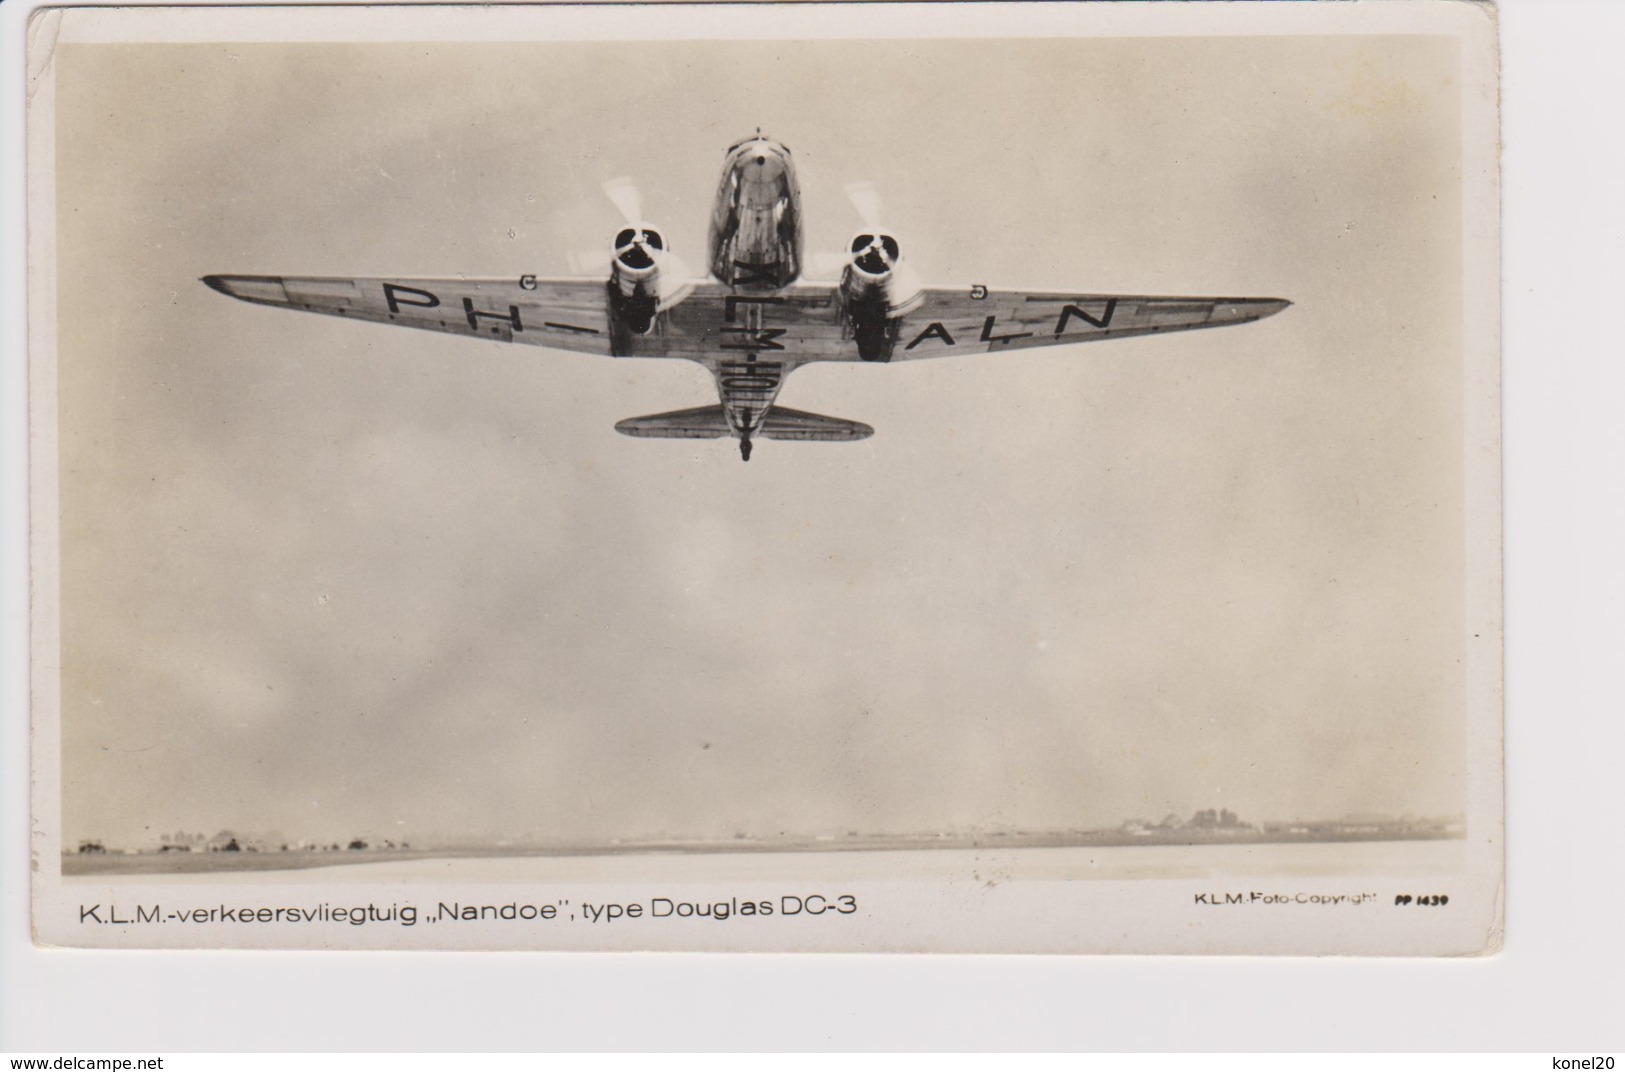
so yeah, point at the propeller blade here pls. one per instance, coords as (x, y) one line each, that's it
(676, 281)
(825, 262)
(907, 289)
(624, 192)
(866, 199)
(589, 262)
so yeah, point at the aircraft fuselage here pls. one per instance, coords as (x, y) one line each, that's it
(755, 233)
(755, 249)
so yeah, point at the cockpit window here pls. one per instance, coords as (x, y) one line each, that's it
(758, 136)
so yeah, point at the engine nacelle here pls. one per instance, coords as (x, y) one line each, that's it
(874, 256)
(877, 290)
(634, 277)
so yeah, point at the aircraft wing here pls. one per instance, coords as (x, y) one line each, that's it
(980, 320)
(566, 314)
(801, 323)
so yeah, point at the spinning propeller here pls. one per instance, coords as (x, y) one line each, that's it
(638, 249)
(875, 250)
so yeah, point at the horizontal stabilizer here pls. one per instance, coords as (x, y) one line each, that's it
(709, 422)
(793, 424)
(704, 422)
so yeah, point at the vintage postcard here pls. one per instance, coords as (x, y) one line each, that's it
(432, 548)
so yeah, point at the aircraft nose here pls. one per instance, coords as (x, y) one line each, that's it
(765, 164)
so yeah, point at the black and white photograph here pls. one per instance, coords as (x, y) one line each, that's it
(432, 548)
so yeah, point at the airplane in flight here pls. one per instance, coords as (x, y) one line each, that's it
(753, 319)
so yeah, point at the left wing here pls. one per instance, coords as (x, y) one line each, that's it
(566, 314)
(979, 320)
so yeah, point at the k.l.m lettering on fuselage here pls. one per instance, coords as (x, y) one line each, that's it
(744, 326)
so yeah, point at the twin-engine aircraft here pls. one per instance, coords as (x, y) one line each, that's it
(753, 319)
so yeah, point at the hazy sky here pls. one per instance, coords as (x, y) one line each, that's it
(331, 578)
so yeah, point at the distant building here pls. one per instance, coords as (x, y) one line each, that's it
(1215, 819)
(181, 841)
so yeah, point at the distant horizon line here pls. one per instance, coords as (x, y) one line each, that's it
(1220, 822)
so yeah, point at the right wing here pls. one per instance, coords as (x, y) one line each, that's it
(979, 320)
